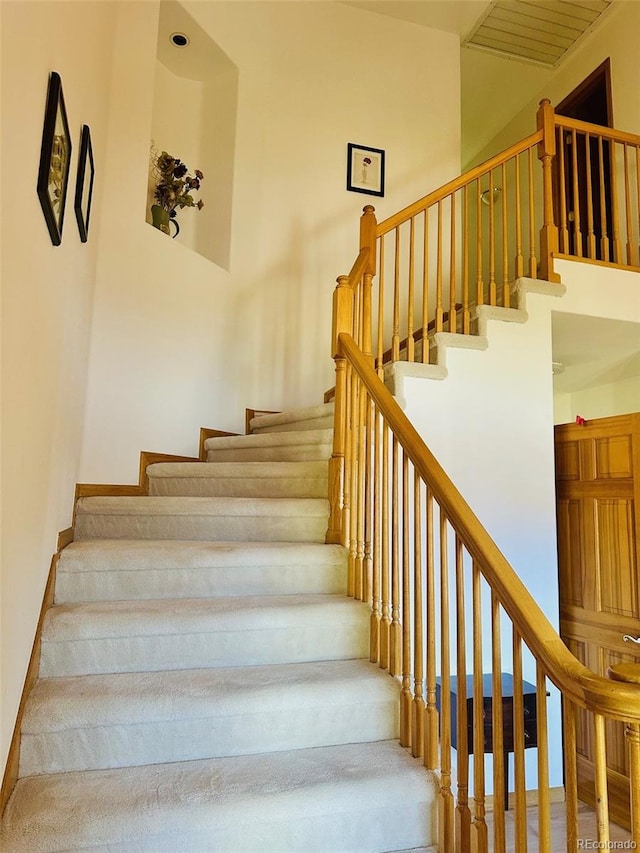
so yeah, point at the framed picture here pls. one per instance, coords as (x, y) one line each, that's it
(55, 156)
(84, 183)
(365, 169)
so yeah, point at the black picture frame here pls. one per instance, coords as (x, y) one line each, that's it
(55, 158)
(365, 169)
(84, 183)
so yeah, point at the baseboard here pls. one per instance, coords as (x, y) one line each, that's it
(33, 669)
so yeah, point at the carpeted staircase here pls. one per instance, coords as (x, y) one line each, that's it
(204, 682)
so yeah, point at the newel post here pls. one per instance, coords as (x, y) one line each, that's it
(546, 153)
(629, 673)
(343, 302)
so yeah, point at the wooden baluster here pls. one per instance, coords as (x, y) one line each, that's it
(519, 257)
(533, 261)
(383, 522)
(395, 336)
(369, 440)
(544, 805)
(355, 568)
(577, 230)
(591, 237)
(546, 153)
(362, 450)
(499, 757)
(564, 230)
(570, 752)
(343, 305)
(446, 797)
(518, 747)
(405, 693)
(638, 195)
(453, 320)
(604, 239)
(479, 277)
(629, 673)
(380, 341)
(601, 791)
(396, 636)
(492, 242)
(506, 293)
(439, 306)
(411, 295)
(615, 221)
(418, 704)
(376, 515)
(348, 476)
(430, 748)
(425, 290)
(627, 205)
(479, 825)
(466, 317)
(463, 813)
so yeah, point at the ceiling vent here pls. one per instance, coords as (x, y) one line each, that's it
(539, 31)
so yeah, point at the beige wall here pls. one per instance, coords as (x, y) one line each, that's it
(179, 342)
(47, 297)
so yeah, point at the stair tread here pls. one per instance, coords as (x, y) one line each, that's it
(110, 619)
(307, 413)
(270, 439)
(107, 555)
(194, 801)
(201, 506)
(261, 470)
(59, 704)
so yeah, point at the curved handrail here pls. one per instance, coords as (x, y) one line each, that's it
(457, 183)
(358, 269)
(613, 699)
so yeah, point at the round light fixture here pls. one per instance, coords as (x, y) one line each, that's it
(179, 39)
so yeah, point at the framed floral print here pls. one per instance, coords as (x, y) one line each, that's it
(365, 169)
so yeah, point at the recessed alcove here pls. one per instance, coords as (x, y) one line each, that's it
(194, 119)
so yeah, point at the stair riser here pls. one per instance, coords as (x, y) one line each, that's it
(219, 528)
(296, 426)
(284, 453)
(290, 727)
(198, 583)
(192, 651)
(238, 487)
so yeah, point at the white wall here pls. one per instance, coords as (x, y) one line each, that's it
(602, 401)
(616, 38)
(178, 342)
(495, 440)
(47, 295)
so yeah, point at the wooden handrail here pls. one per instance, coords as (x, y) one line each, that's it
(596, 130)
(457, 183)
(358, 269)
(579, 684)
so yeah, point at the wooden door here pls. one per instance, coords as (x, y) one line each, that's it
(598, 509)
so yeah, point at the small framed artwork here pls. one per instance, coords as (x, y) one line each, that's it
(365, 169)
(84, 183)
(55, 157)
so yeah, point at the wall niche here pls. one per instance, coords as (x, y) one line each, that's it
(194, 119)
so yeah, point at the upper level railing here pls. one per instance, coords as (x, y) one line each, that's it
(445, 604)
(466, 243)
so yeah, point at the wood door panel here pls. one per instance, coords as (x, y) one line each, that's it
(598, 503)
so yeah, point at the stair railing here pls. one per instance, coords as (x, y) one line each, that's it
(445, 604)
(444, 601)
(466, 243)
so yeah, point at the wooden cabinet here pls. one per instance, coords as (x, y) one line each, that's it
(506, 699)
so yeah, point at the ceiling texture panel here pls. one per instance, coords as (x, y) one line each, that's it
(540, 31)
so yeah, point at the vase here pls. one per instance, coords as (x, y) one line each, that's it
(160, 218)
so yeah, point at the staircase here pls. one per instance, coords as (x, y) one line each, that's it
(204, 680)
